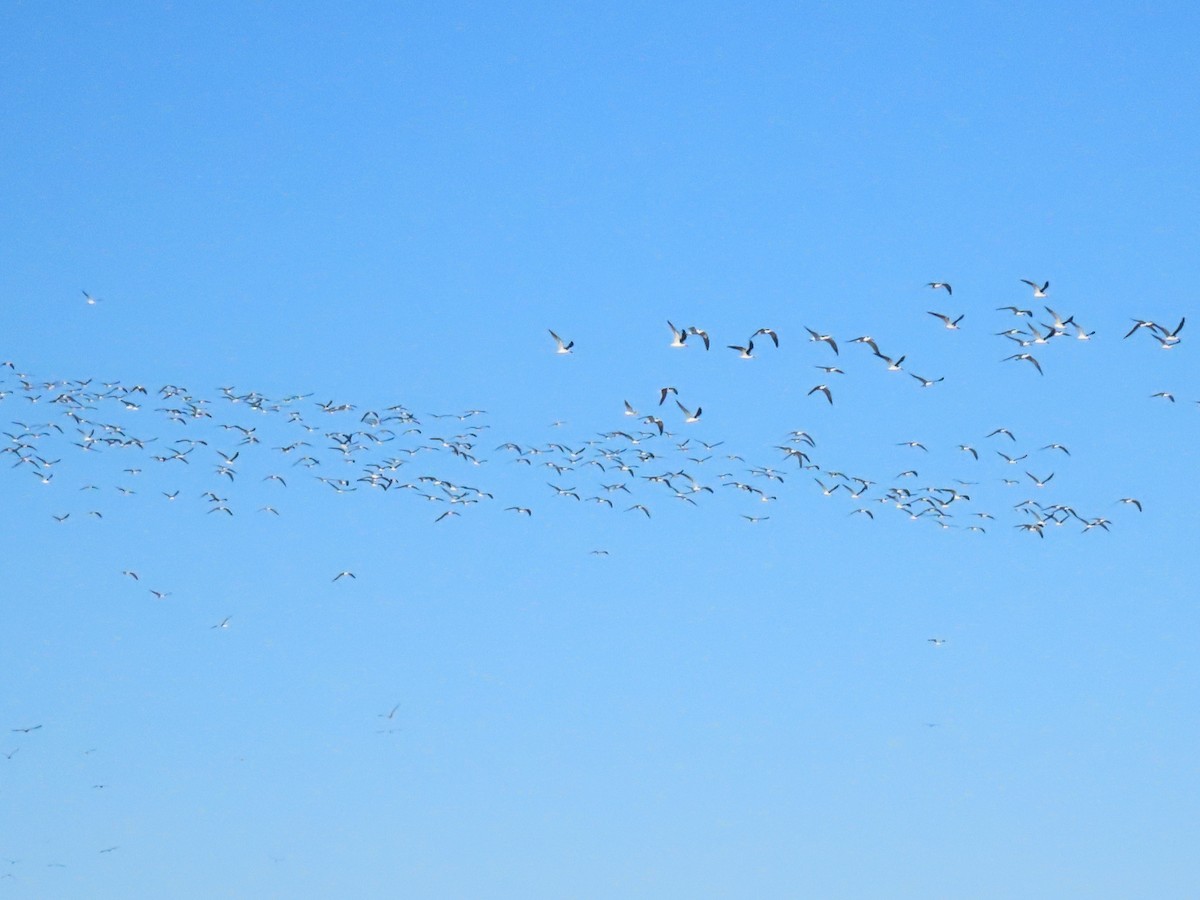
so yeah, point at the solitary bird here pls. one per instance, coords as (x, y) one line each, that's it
(940, 284)
(563, 346)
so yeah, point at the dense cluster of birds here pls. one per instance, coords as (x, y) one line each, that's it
(92, 444)
(438, 459)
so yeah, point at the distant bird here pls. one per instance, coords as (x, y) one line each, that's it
(224, 623)
(1038, 291)
(563, 347)
(769, 333)
(678, 337)
(826, 338)
(830, 370)
(131, 574)
(25, 730)
(1167, 395)
(823, 388)
(341, 575)
(1028, 357)
(390, 714)
(629, 410)
(1131, 500)
(690, 417)
(1003, 431)
(927, 382)
(89, 299)
(746, 352)
(969, 449)
(160, 595)
(1015, 310)
(940, 284)
(663, 392)
(1057, 447)
(951, 324)
(700, 333)
(937, 642)
(639, 506)
(1138, 324)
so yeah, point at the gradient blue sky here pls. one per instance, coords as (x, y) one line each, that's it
(392, 206)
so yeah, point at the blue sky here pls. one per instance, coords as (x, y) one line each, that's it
(382, 207)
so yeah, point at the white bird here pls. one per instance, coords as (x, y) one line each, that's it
(678, 338)
(828, 339)
(951, 324)
(928, 382)
(746, 352)
(1028, 357)
(769, 333)
(823, 388)
(1038, 292)
(341, 575)
(940, 284)
(563, 346)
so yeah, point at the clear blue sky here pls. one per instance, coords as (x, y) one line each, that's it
(386, 207)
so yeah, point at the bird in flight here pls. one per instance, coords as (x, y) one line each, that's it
(769, 333)
(827, 338)
(746, 352)
(935, 285)
(927, 382)
(678, 337)
(563, 346)
(1039, 291)
(1028, 357)
(824, 389)
(951, 324)
(341, 575)
(224, 623)
(700, 333)
(26, 730)
(690, 416)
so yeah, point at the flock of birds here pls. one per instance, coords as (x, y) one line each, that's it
(92, 444)
(438, 458)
